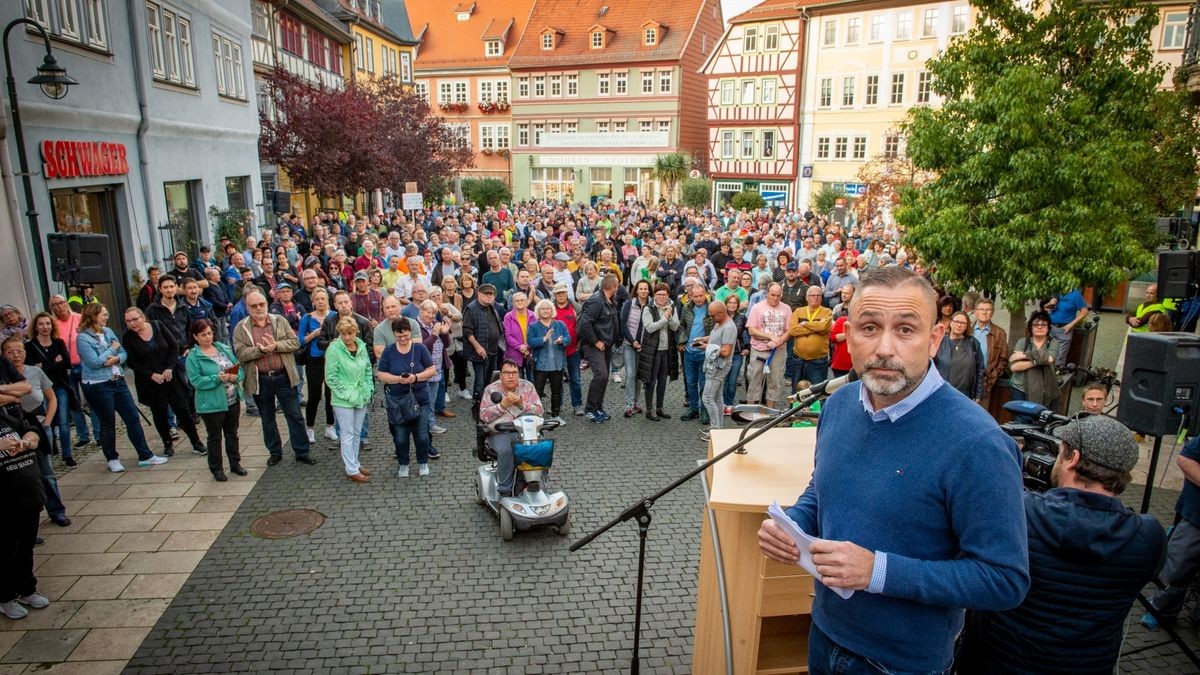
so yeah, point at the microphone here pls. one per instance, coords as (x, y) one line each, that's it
(822, 389)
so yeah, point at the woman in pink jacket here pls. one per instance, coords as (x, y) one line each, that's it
(516, 333)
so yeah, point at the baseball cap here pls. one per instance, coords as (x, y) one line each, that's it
(1102, 440)
(360, 275)
(792, 266)
(205, 249)
(285, 286)
(486, 289)
(560, 287)
(562, 257)
(177, 254)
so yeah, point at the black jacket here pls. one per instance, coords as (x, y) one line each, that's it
(149, 358)
(218, 296)
(598, 321)
(1089, 556)
(476, 323)
(177, 322)
(329, 332)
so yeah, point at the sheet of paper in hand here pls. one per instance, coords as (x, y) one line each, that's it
(802, 540)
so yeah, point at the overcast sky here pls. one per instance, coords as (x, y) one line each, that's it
(731, 8)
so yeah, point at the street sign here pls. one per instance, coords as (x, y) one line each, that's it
(856, 189)
(412, 201)
(775, 197)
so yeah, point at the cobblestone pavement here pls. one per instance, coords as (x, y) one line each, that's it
(410, 575)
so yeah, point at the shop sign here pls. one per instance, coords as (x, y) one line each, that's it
(83, 159)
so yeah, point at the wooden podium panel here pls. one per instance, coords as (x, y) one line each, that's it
(769, 603)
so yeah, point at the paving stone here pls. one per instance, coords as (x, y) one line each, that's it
(101, 587)
(44, 646)
(64, 564)
(190, 540)
(154, 586)
(57, 542)
(136, 523)
(219, 504)
(155, 490)
(118, 613)
(53, 617)
(82, 668)
(173, 505)
(139, 541)
(8, 639)
(179, 562)
(115, 507)
(107, 644)
(55, 587)
(173, 522)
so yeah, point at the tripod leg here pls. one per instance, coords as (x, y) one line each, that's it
(643, 528)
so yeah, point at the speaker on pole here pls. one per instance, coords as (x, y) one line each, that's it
(1160, 383)
(1177, 274)
(78, 258)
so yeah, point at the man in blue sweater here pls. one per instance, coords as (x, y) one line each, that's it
(916, 498)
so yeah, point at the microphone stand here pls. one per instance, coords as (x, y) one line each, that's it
(640, 510)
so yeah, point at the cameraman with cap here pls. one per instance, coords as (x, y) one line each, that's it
(1089, 555)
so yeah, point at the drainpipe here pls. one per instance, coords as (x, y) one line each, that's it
(136, 29)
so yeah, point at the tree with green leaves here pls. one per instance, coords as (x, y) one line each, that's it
(823, 200)
(486, 192)
(748, 200)
(1050, 150)
(672, 169)
(697, 193)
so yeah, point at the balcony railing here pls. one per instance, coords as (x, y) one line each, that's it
(310, 71)
(1191, 45)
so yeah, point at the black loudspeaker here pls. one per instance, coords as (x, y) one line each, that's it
(1177, 274)
(281, 202)
(78, 258)
(1160, 383)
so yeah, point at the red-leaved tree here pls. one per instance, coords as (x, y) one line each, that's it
(359, 138)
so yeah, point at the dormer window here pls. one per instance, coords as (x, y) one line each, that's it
(493, 48)
(597, 39)
(652, 33)
(547, 41)
(651, 36)
(463, 11)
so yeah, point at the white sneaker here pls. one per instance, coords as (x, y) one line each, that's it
(437, 430)
(13, 610)
(616, 378)
(465, 395)
(312, 436)
(561, 421)
(403, 471)
(35, 600)
(153, 461)
(422, 469)
(115, 466)
(331, 434)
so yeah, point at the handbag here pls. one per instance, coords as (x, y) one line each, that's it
(403, 408)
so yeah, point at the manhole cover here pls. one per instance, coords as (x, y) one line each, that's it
(284, 524)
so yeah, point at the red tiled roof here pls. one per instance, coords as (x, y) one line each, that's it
(773, 9)
(447, 42)
(624, 18)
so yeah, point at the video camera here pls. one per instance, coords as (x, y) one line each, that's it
(1039, 447)
(1080, 376)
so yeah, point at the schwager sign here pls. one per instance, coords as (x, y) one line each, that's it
(75, 159)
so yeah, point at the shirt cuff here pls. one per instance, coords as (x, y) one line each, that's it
(878, 573)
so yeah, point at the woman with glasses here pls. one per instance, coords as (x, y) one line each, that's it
(348, 374)
(46, 350)
(212, 370)
(959, 359)
(1032, 364)
(103, 376)
(406, 368)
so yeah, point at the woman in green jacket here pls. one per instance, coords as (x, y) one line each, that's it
(351, 383)
(213, 372)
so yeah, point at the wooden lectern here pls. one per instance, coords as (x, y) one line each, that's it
(770, 604)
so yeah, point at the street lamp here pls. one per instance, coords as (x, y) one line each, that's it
(53, 80)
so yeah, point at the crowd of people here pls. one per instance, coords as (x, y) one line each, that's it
(438, 305)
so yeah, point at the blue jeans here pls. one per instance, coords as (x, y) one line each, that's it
(77, 416)
(419, 428)
(731, 380)
(693, 375)
(573, 381)
(61, 424)
(107, 400)
(814, 370)
(54, 504)
(631, 359)
(439, 398)
(278, 389)
(826, 657)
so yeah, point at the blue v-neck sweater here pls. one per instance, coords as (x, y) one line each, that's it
(938, 491)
